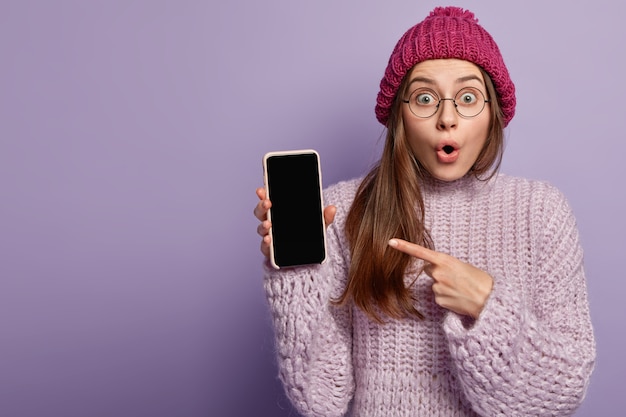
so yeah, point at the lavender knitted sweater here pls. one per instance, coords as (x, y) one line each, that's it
(530, 353)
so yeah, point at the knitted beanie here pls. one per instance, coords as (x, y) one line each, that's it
(448, 32)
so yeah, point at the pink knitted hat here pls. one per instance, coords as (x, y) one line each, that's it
(448, 32)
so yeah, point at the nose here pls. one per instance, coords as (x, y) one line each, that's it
(447, 115)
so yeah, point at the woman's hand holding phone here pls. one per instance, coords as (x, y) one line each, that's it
(260, 212)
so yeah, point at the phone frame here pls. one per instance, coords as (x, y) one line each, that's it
(266, 157)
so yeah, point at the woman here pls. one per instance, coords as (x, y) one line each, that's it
(449, 290)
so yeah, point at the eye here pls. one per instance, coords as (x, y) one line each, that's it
(467, 97)
(425, 99)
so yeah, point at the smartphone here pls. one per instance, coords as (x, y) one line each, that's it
(293, 181)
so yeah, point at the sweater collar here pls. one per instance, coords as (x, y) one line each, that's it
(466, 185)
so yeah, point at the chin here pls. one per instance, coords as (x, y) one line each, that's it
(447, 175)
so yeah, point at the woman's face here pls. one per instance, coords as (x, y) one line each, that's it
(447, 144)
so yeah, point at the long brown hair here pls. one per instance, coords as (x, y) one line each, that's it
(389, 203)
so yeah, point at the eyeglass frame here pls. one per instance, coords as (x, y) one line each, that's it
(453, 100)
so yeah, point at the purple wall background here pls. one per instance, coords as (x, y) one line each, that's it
(131, 136)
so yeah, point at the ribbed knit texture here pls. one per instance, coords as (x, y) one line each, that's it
(530, 353)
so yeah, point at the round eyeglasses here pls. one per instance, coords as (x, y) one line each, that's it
(468, 102)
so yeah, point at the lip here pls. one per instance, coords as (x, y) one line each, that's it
(447, 151)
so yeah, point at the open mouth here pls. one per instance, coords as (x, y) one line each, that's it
(448, 149)
(448, 153)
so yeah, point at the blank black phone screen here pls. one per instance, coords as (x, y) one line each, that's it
(294, 187)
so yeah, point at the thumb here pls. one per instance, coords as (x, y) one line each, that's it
(329, 215)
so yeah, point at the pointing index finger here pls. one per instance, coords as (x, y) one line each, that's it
(415, 250)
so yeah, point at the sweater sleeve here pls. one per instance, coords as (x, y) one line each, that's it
(531, 352)
(313, 335)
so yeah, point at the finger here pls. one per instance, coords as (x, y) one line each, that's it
(260, 210)
(265, 245)
(263, 229)
(329, 215)
(415, 250)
